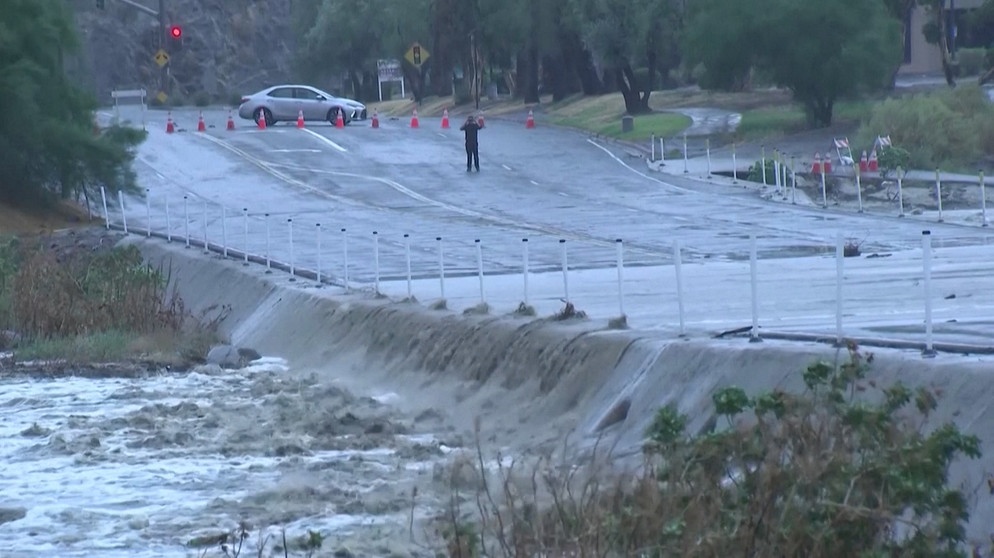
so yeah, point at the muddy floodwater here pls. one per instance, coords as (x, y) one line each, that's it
(140, 467)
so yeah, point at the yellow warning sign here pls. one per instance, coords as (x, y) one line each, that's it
(161, 58)
(417, 55)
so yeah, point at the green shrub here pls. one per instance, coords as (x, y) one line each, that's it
(891, 158)
(946, 129)
(202, 99)
(756, 172)
(841, 467)
(972, 61)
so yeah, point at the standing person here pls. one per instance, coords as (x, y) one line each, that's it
(472, 128)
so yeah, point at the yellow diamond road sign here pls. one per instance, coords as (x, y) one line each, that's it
(161, 58)
(162, 96)
(416, 55)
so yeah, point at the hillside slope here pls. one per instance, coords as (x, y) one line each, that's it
(229, 47)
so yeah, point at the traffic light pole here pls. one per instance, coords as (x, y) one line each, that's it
(161, 41)
(163, 71)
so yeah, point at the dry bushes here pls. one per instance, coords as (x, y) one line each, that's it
(113, 291)
(846, 468)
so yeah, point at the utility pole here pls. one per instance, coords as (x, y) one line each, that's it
(160, 41)
(164, 69)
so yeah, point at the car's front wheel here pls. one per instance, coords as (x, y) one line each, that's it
(263, 113)
(333, 116)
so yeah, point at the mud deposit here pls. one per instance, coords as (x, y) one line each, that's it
(141, 466)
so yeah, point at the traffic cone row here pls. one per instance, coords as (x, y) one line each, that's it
(874, 165)
(170, 127)
(816, 166)
(300, 119)
(262, 121)
(339, 120)
(445, 119)
(530, 121)
(231, 122)
(376, 119)
(201, 127)
(414, 119)
(864, 164)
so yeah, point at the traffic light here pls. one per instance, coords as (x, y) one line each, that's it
(175, 32)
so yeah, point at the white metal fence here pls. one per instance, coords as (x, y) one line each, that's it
(308, 247)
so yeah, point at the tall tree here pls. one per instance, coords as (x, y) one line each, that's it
(341, 38)
(47, 139)
(625, 35)
(846, 47)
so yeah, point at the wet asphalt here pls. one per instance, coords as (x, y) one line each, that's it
(545, 184)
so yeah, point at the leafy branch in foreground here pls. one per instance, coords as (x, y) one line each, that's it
(843, 468)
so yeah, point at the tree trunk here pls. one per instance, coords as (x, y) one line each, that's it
(650, 80)
(590, 83)
(556, 73)
(629, 89)
(947, 62)
(356, 84)
(819, 112)
(531, 89)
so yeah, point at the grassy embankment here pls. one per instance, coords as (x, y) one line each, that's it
(765, 113)
(67, 294)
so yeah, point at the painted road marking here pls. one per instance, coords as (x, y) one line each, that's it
(636, 171)
(533, 182)
(326, 140)
(506, 167)
(296, 150)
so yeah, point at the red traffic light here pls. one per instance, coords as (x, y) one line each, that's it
(175, 31)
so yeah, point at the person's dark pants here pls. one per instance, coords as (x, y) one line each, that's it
(472, 156)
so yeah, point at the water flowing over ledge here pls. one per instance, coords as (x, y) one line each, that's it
(534, 383)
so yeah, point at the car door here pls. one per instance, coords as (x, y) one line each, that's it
(311, 103)
(282, 103)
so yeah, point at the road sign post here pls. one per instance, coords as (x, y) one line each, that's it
(389, 71)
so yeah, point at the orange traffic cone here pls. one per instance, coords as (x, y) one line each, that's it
(479, 120)
(816, 166)
(262, 120)
(445, 118)
(170, 127)
(863, 164)
(874, 164)
(300, 119)
(376, 119)
(339, 120)
(231, 122)
(200, 123)
(530, 121)
(414, 119)
(826, 165)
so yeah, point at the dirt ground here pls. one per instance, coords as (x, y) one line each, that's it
(16, 221)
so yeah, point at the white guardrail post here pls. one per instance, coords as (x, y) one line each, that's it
(928, 351)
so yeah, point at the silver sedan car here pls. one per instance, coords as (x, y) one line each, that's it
(282, 103)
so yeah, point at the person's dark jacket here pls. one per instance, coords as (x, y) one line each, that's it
(472, 129)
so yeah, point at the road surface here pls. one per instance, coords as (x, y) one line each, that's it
(546, 185)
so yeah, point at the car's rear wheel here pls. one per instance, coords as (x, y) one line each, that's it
(263, 113)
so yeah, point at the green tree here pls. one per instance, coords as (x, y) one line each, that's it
(628, 34)
(341, 38)
(820, 51)
(50, 149)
